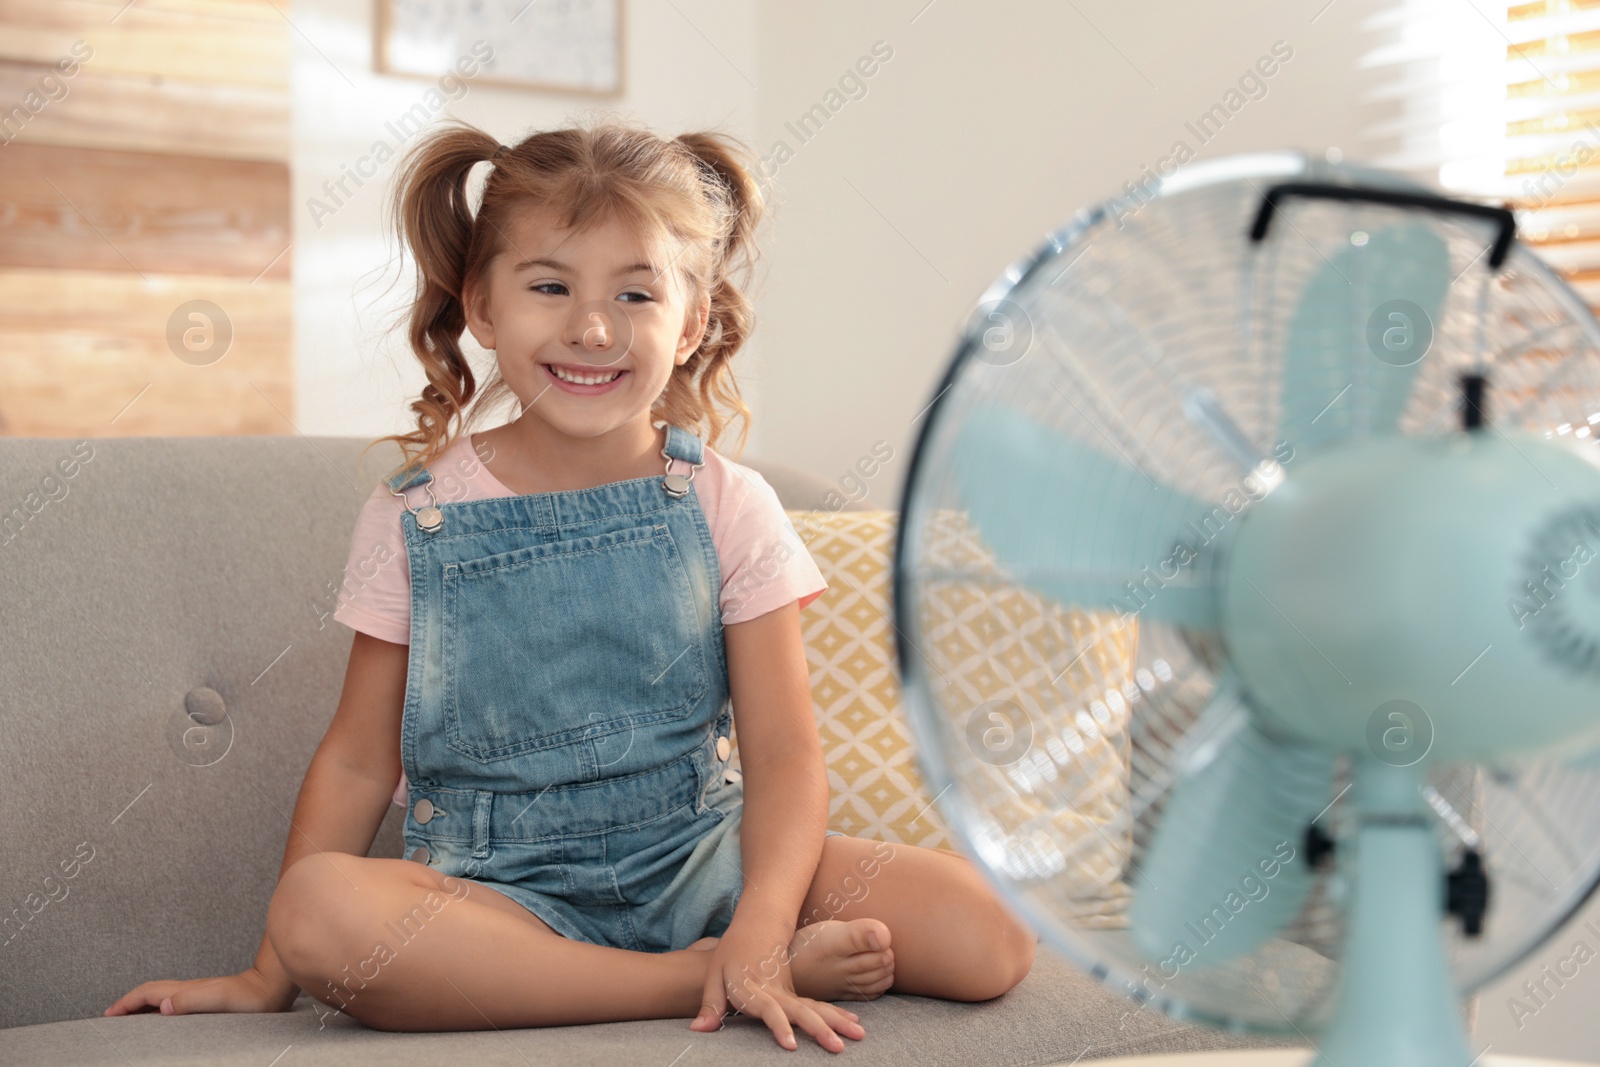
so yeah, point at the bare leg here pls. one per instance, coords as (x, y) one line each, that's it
(399, 946)
(951, 937)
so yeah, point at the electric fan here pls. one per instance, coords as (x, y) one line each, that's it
(1248, 594)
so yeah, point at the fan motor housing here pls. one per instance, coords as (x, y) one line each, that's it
(1411, 597)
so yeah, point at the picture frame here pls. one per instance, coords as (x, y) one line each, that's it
(565, 46)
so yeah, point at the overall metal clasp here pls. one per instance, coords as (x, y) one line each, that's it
(429, 517)
(677, 485)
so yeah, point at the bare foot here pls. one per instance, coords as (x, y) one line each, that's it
(837, 960)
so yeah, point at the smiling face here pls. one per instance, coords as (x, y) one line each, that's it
(587, 327)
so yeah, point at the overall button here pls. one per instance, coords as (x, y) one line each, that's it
(723, 748)
(421, 854)
(423, 812)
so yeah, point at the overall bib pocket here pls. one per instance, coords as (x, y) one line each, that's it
(615, 644)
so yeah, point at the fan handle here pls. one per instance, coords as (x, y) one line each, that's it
(1501, 217)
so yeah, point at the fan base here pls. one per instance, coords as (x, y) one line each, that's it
(1397, 1003)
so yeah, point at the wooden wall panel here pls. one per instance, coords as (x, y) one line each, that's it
(230, 42)
(146, 212)
(101, 110)
(154, 174)
(85, 353)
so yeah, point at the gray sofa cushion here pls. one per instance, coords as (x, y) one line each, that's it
(143, 576)
(1056, 1015)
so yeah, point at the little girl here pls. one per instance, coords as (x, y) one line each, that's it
(568, 616)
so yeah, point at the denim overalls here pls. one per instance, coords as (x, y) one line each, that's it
(566, 720)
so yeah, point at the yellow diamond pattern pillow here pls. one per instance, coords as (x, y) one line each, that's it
(1016, 660)
(1042, 698)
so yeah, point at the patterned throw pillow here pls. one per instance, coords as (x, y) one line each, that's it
(1040, 691)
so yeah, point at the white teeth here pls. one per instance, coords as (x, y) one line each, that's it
(582, 379)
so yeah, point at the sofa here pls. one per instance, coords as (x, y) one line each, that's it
(170, 664)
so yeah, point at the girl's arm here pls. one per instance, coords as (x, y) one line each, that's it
(349, 786)
(784, 774)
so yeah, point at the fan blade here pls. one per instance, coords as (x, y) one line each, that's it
(1224, 870)
(1079, 526)
(1356, 340)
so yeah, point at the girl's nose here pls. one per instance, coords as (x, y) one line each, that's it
(598, 333)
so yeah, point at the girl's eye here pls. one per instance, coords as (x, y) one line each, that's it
(546, 287)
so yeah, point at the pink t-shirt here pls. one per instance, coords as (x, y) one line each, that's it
(764, 563)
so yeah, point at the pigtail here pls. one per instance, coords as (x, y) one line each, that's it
(726, 170)
(431, 209)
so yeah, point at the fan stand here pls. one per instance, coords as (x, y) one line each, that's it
(1397, 1001)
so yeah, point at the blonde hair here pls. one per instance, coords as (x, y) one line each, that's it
(696, 189)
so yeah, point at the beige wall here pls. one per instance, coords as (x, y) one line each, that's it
(991, 125)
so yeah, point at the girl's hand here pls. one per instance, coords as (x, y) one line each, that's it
(749, 968)
(246, 991)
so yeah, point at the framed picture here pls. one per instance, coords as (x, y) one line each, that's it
(572, 46)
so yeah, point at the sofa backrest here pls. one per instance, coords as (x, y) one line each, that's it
(168, 665)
